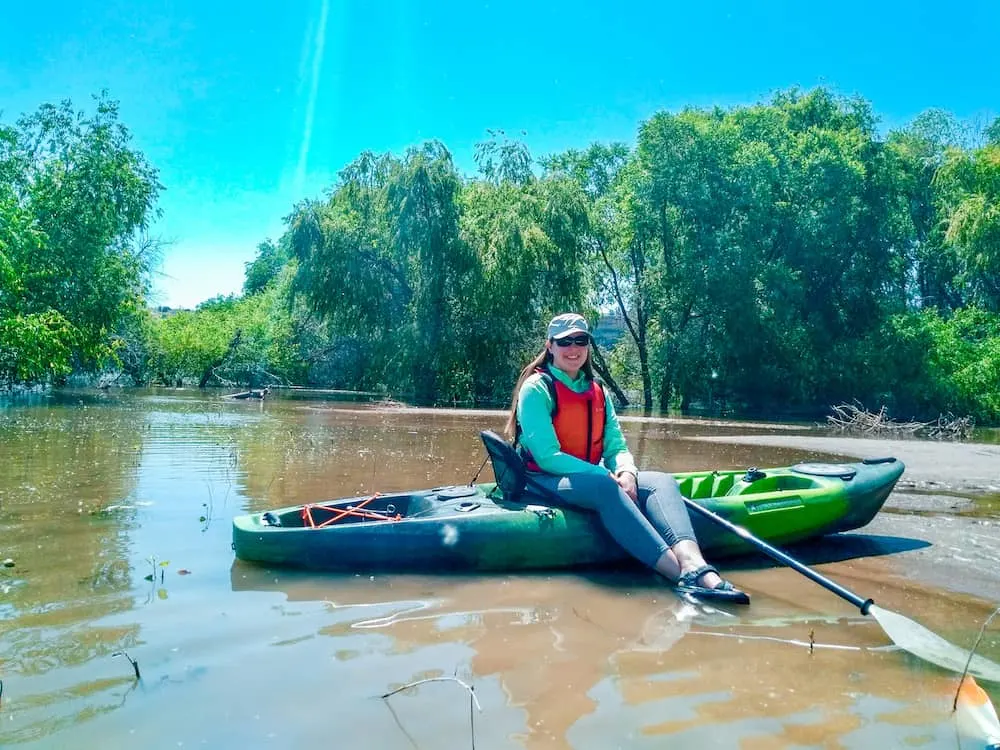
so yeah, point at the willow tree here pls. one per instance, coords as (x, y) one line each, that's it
(423, 210)
(969, 197)
(382, 261)
(527, 235)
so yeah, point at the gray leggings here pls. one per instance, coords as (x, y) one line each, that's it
(645, 529)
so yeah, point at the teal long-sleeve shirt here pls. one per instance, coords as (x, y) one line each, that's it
(538, 436)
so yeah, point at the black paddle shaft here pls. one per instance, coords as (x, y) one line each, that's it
(777, 554)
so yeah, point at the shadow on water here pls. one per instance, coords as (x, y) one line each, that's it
(624, 577)
(834, 548)
(247, 576)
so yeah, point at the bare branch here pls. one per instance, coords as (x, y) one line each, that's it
(407, 686)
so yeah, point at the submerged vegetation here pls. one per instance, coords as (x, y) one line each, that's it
(782, 255)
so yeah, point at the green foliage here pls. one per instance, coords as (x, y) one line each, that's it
(133, 342)
(73, 196)
(756, 254)
(941, 364)
(916, 153)
(755, 242)
(233, 341)
(777, 255)
(992, 133)
(595, 169)
(264, 269)
(414, 266)
(531, 263)
(35, 347)
(503, 160)
(969, 194)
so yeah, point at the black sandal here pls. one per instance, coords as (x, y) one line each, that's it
(724, 592)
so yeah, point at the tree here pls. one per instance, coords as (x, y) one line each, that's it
(383, 262)
(946, 363)
(918, 152)
(528, 237)
(969, 195)
(612, 248)
(74, 197)
(503, 160)
(765, 229)
(264, 269)
(992, 133)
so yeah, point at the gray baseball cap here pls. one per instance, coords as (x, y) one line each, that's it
(566, 325)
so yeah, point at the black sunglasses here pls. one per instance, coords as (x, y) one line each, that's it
(582, 340)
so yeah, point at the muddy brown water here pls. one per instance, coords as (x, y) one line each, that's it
(116, 509)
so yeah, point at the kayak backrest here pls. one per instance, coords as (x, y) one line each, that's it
(508, 467)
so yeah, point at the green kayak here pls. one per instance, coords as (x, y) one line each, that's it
(479, 527)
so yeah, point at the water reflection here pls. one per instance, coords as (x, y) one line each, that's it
(116, 509)
(62, 465)
(593, 668)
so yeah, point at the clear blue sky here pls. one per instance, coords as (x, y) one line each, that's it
(246, 107)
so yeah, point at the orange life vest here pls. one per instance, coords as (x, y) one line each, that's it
(578, 419)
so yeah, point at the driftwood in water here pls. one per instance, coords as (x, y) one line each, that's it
(949, 427)
(259, 395)
(856, 419)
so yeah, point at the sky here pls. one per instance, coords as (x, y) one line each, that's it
(248, 107)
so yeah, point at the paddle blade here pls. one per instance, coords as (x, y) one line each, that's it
(929, 646)
(975, 716)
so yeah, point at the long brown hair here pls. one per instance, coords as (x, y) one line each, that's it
(544, 358)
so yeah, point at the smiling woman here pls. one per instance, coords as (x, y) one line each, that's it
(568, 433)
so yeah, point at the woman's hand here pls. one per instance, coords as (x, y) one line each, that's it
(627, 481)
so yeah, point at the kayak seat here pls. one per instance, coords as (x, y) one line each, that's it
(516, 483)
(508, 467)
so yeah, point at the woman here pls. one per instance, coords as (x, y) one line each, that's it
(567, 430)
